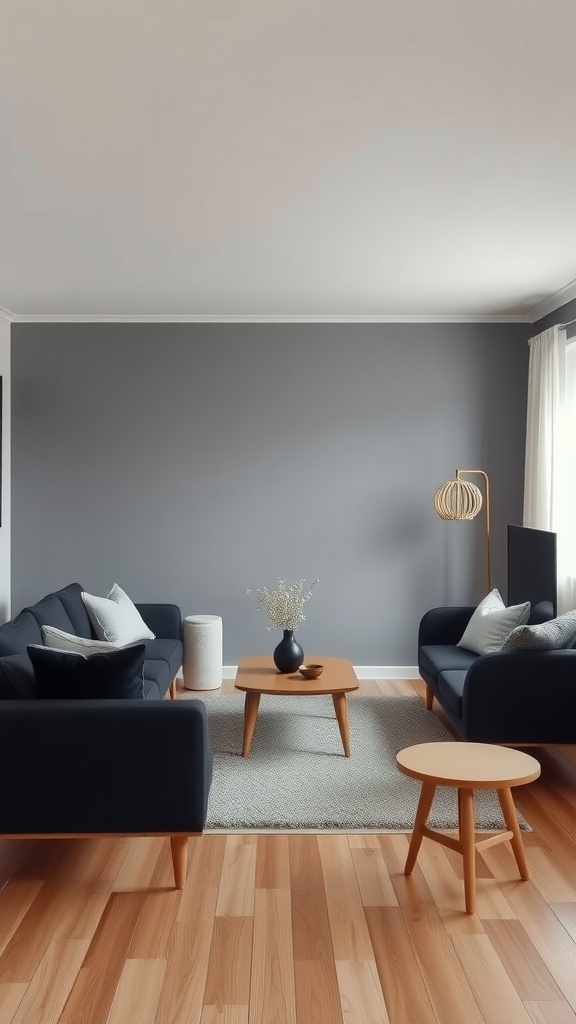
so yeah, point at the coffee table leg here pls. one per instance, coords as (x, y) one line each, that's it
(468, 841)
(422, 812)
(341, 709)
(250, 711)
(509, 812)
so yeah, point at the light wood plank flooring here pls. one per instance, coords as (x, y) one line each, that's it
(295, 929)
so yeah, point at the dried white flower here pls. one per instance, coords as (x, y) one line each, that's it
(284, 605)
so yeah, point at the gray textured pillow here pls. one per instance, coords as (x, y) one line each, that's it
(547, 636)
(491, 623)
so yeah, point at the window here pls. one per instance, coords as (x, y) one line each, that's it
(550, 467)
(570, 468)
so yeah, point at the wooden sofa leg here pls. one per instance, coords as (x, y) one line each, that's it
(429, 697)
(179, 848)
(173, 690)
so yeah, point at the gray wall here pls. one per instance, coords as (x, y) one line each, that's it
(189, 462)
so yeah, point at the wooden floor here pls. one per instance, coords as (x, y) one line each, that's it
(295, 929)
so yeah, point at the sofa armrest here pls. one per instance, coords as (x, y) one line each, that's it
(104, 766)
(165, 620)
(522, 697)
(444, 625)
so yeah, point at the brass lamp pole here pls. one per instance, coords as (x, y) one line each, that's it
(459, 499)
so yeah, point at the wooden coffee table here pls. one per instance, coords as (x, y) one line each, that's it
(258, 675)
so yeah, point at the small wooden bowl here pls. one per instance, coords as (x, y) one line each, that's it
(311, 671)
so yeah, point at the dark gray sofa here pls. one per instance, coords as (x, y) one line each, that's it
(65, 610)
(520, 698)
(101, 767)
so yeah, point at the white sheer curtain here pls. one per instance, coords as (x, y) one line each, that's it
(550, 467)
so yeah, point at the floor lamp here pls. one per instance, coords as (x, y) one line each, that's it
(459, 499)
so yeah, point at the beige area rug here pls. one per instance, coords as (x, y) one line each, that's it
(297, 778)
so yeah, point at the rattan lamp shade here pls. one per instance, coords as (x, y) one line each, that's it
(458, 499)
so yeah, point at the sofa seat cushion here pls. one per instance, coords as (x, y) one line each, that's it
(158, 673)
(435, 658)
(170, 651)
(451, 687)
(151, 690)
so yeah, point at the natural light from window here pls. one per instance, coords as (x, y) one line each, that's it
(570, 549)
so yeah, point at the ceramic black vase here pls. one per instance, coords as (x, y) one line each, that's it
(288, 655)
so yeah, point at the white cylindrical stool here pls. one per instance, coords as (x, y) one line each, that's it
(202, 667)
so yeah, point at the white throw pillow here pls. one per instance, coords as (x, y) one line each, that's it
(61, 641)
(115, 618)
(492, 623)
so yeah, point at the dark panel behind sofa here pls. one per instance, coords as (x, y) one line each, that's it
(531, 566)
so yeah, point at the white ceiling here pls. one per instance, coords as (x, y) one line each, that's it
(296, 158)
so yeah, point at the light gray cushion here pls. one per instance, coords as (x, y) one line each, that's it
(492, 622)
(115, 618)
(61, 641)
(547, 636)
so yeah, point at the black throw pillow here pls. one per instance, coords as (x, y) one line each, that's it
(63, 675)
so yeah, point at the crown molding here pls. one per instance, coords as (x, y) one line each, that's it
(5, 314)
(204, 318)
(560, 298)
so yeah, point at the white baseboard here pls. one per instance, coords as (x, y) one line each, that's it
(387, 671)
(362, 671)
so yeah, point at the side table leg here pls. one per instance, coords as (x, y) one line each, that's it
(422, 812)
(341, 709)
(468, 841)
(250, 711)
(509, 812)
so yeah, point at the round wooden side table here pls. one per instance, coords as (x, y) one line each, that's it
(467, 766)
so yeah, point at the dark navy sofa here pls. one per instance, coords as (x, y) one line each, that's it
(519, 698)
(101, 767)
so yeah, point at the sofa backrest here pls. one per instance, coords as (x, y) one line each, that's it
(71, 599)
(64, 609)
(17, 680)
(51, 612)
(541, 612)
(16, 634)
